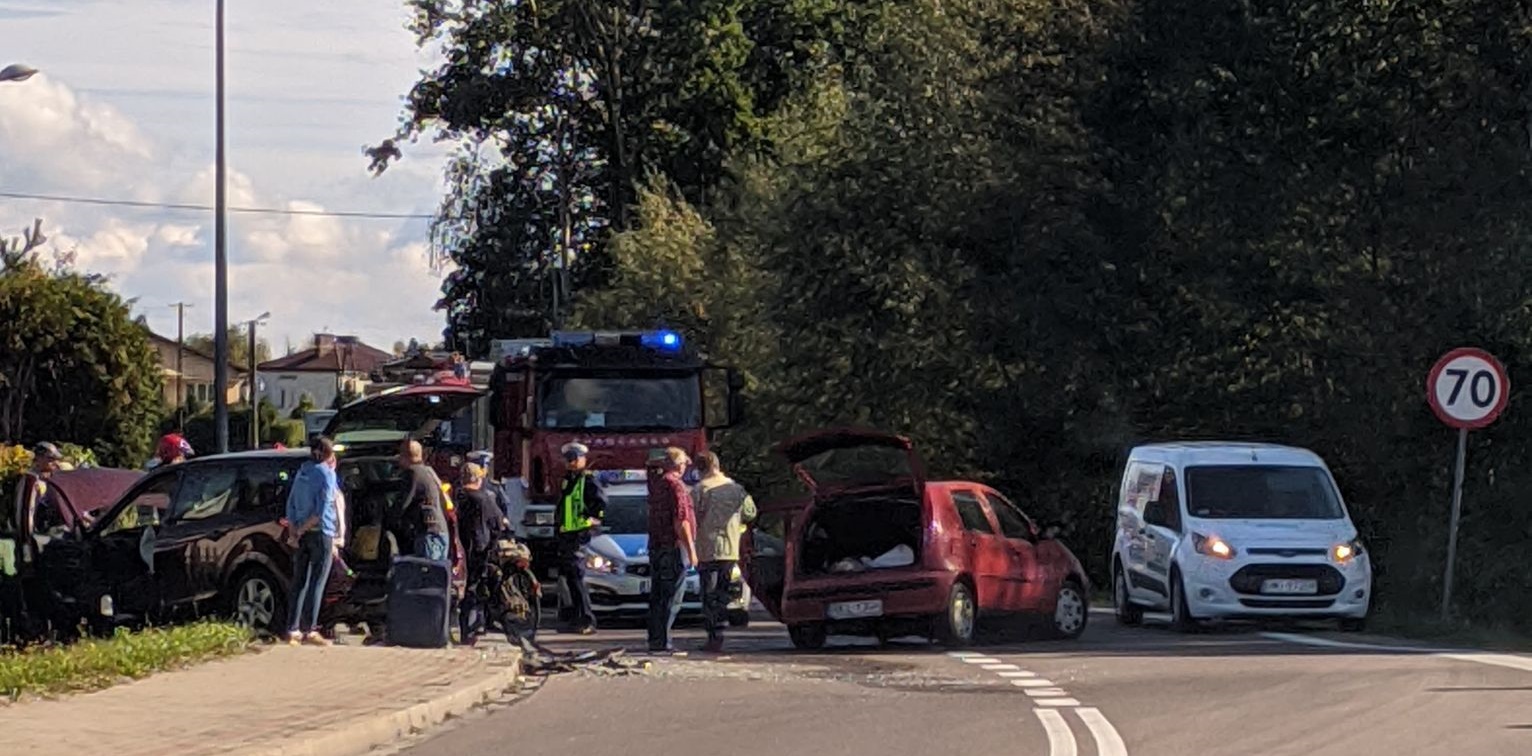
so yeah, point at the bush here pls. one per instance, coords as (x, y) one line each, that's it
(94, 664)
(289, 433)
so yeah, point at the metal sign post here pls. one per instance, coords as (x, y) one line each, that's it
(1467, 389)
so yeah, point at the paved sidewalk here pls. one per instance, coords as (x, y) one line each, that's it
(279, 700)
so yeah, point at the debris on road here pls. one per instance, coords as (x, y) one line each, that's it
(541, 661)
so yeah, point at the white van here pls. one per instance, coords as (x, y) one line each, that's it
(1235, 531)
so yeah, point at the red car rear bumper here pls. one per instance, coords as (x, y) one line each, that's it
(904, 593)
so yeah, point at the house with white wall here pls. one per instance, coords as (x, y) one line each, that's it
(332, 367)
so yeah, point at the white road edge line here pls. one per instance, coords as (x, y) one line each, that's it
(999, 667)
(1061, 740)
(1038, 683)
(981, 660)
(1508, 661)
(1055, 702)
(1108, 742)
(1045, 692)
(1017, 673)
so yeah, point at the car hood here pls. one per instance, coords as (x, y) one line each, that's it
(853, 459)
(1277, 533)
(627, 548)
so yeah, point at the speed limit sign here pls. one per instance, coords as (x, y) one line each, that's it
(1468, 388)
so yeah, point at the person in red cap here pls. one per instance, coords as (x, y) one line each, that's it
(172, 449)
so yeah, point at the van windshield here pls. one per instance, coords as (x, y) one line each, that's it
(1261, 492)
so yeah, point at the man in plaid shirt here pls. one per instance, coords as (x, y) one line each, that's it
(672, 535)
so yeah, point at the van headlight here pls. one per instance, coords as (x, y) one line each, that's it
(598, 563)
(1212, 546)
(1345, 552)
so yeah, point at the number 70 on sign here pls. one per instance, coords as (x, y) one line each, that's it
(1468, 388)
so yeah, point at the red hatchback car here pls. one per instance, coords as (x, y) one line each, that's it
(878, 550)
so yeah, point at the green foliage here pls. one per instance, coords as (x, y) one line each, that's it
(1032, 234)
(74, 365)
(560, 109)
(95, 664)
(239, 347)
(305, 406)
(289, 433)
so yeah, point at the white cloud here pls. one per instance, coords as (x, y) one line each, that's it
(127, 115)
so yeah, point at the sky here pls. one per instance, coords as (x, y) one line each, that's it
(124, 110)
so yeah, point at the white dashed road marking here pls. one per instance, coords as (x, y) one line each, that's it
(1049, 699)
(1061, 741)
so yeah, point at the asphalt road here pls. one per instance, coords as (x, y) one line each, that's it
(1142, 691)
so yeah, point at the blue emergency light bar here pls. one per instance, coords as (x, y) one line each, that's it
(665, 341)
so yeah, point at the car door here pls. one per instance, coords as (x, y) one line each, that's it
(1161, 530)
(123, 546)
(1032, 580)
(1140, 485)
(188, 551)
(767, 548)
(988, 557)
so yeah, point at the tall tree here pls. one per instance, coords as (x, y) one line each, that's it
(239, 346)
(74, 365)
(561, 108)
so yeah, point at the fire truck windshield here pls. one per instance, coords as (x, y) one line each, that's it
(620, 403)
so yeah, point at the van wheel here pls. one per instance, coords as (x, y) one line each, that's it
(259, 602)
(1181, 619)
(1070, 611)
(1128, 613)
(960, 623)
(807, 637)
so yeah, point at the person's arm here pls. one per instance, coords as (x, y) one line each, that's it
(684, 518)
(595, 502)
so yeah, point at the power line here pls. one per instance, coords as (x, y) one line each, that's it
(209, 208)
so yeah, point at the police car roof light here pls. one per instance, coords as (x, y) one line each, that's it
(669, 341)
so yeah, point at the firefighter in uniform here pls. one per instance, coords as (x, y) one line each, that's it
(581, 507)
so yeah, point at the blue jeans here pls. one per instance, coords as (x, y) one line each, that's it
(432, 546)
(311, 571)
(666, 591)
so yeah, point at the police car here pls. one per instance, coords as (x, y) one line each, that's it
(617, 561)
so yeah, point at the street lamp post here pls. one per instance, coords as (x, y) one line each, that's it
(220, 263)
(255, 382)
(17, 72)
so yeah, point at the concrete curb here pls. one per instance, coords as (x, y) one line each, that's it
(364, 733)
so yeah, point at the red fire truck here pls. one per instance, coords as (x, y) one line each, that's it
(619, 393)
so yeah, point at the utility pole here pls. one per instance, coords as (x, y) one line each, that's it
(255, 383)
(220, 265)
(180, 364)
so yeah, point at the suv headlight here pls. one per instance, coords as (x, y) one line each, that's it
(1345, 552)
(1212, 546)
(598, 563)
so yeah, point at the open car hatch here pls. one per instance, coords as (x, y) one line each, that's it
(838, 461)
(408, 410)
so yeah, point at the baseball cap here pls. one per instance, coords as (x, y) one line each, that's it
(47, 450)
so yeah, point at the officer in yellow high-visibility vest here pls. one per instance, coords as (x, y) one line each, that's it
(582, 504)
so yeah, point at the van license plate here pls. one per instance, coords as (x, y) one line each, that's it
(1291, 587)
(845, 610)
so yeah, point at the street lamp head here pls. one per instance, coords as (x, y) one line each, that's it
(263, 316)
(17, 72)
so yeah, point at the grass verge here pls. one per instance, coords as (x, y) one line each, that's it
(93, 664)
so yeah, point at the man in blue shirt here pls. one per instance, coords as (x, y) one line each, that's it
(313, 522)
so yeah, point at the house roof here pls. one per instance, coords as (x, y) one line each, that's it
(330, 355)
(189, 350)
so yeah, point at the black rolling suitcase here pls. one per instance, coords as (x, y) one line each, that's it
(419, 602)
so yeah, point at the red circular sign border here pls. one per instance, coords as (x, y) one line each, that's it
(1436, 372)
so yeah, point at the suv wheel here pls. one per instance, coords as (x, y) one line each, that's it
(259, 601)
(960, 624)
(1128, 613)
